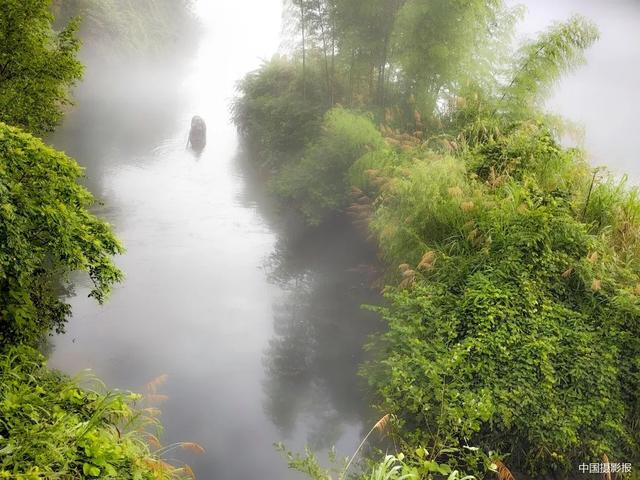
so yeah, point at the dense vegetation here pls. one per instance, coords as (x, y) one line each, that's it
(512, 305)
(52, 426)
(120, 28)
(47, 232)
(37, 65)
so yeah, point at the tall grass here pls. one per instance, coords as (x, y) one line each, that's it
(52, 426)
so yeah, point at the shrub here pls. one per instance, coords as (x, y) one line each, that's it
(424, 203)
(319, 183)
(52, 428)
(276, 118)
(517, 328)
(38, 65)
(46, 232)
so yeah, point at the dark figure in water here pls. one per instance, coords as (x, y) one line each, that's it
(197, 134)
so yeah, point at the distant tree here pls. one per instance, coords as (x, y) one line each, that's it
(365, 28)
(37, 65)
(46, 232)
(437, 43)
(117, 29)
(542, 62)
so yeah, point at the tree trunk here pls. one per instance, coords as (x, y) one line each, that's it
(333, 58)
(324, 51)
(351, 67)
(304, 53)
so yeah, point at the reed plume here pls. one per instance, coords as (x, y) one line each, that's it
(192, 447)
(503, 472)
(152, 386)
(607, 473)
(426, 262)
(380, 426)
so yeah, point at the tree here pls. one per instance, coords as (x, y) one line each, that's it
(46, 232)
(540, 63)
(437, 43)
(366, 28)
(37, 65)
(116, 29)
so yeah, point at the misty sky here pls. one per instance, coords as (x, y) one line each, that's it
(604, 95)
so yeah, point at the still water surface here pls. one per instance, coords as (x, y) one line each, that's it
(255, 322)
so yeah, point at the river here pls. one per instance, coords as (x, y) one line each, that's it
(255, 321)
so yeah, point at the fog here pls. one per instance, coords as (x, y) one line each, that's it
(239, 308)
(258, 326)
(602, 96)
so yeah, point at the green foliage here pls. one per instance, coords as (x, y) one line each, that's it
(46, 232)
(50, 427)
(122, 27)
(422, 206)
(436, 44)
(392, 467)
(309, 465)
(273, 114)
(448, 81)
(414, 467)
(37, 65)
(517, 329)
(542, 62)
(319, 183)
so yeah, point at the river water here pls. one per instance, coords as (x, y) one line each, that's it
(255, 322)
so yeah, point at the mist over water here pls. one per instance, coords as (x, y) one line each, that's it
(603, 95)
(257, 325)
(255, 321)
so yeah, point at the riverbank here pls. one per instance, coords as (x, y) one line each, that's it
(513, 269)
(53, 425)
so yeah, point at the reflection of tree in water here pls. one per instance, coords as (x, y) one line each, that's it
(319, 330)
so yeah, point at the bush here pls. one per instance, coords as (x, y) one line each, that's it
(319, 183)
(46, 232)
(515, 327)
(52, 428)
(426, 202)
(39, 66)
(273, 113)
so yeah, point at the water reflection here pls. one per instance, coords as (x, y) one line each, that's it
(317, 324)
(312, 390)
(206, 300)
